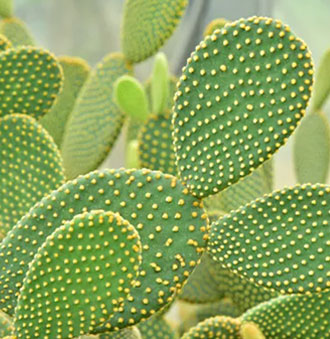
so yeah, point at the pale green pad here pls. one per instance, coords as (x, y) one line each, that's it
(280, 241)
(6, 326)
(293, 316)
(147, 25)
(171, 223)
(31, 167)
(131, 98)
(30, 81)
(156, 150)
(156, 328)
(321, 89)
(6, 8)
(218, 327)
(16, 31)
(78, 277)
(312, 149)
(127, 333)
(75, 71)
(96, 121)
(240, 97)
(214, 25)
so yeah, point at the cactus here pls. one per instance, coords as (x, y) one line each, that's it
(214, 25)
(126, 333)
(6, 8)
(31, 167)
(4, 43)
(96, 121)
(31, 82)
(156, 328)
(75, 72)
(241, 95)
(16, 32)
(147, 25)
(101, 253)
(155, 144)
(6, 326)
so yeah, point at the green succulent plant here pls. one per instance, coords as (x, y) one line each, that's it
(91, 253)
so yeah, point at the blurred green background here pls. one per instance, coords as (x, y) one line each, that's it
(91, 29)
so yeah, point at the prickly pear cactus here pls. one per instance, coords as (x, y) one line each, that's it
(16, 31)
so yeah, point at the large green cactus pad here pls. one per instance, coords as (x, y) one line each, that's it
(293, 316)
(155, 144)
(240, 97)
(312, 149)
(6, 326)
(156, 328)
(147, 25)
(280, 241)
(31, 79)
(16, 32)
(75, 71)
(96, 121)
(216, 328)
(31, 167)
(78, 277)
(170, 222)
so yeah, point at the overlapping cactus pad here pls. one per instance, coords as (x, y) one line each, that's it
(31, 167)
(30, 80)
(170, 222)
(147, 25)
(241, 95)
(280, 241)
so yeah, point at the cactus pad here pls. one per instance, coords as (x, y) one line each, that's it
(170, 222)
(156, 328)
(240, 97)
(131, 98)
(75, 71)
(16, 32)
(31, 167)
(6, 8)
(312, 149)
(126, 333)
(280, 241)
(96, 121)
(6, 326)
(216, 328)
(90, 262)
(147, 25)
(31, 79)
(4, 43)
(214, 25)
(156, 150)
(293, 316)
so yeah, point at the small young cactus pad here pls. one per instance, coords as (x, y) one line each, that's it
(293, 316)
(16, 32)
(30, 81)
(280, 241)
(241, 95)
(171, 223)
(75, 71)
(87, 266)
(147, 25)
(312, 149)
(214, 25)
(216, 328)
(156, 149)
(31, 167)
(96, 120)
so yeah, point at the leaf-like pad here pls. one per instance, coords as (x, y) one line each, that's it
(171, 223)
(216, 328)
(16, 32)
(280, 241)
(75, 72)
(78, 277)
(147, 25)
(293, 316)
(31, 167)
(240, 97)
(6, 326)
(312, 149)
(214, 25)
(155, 144)
(156, 328)
(96, 121)
(30, 81)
